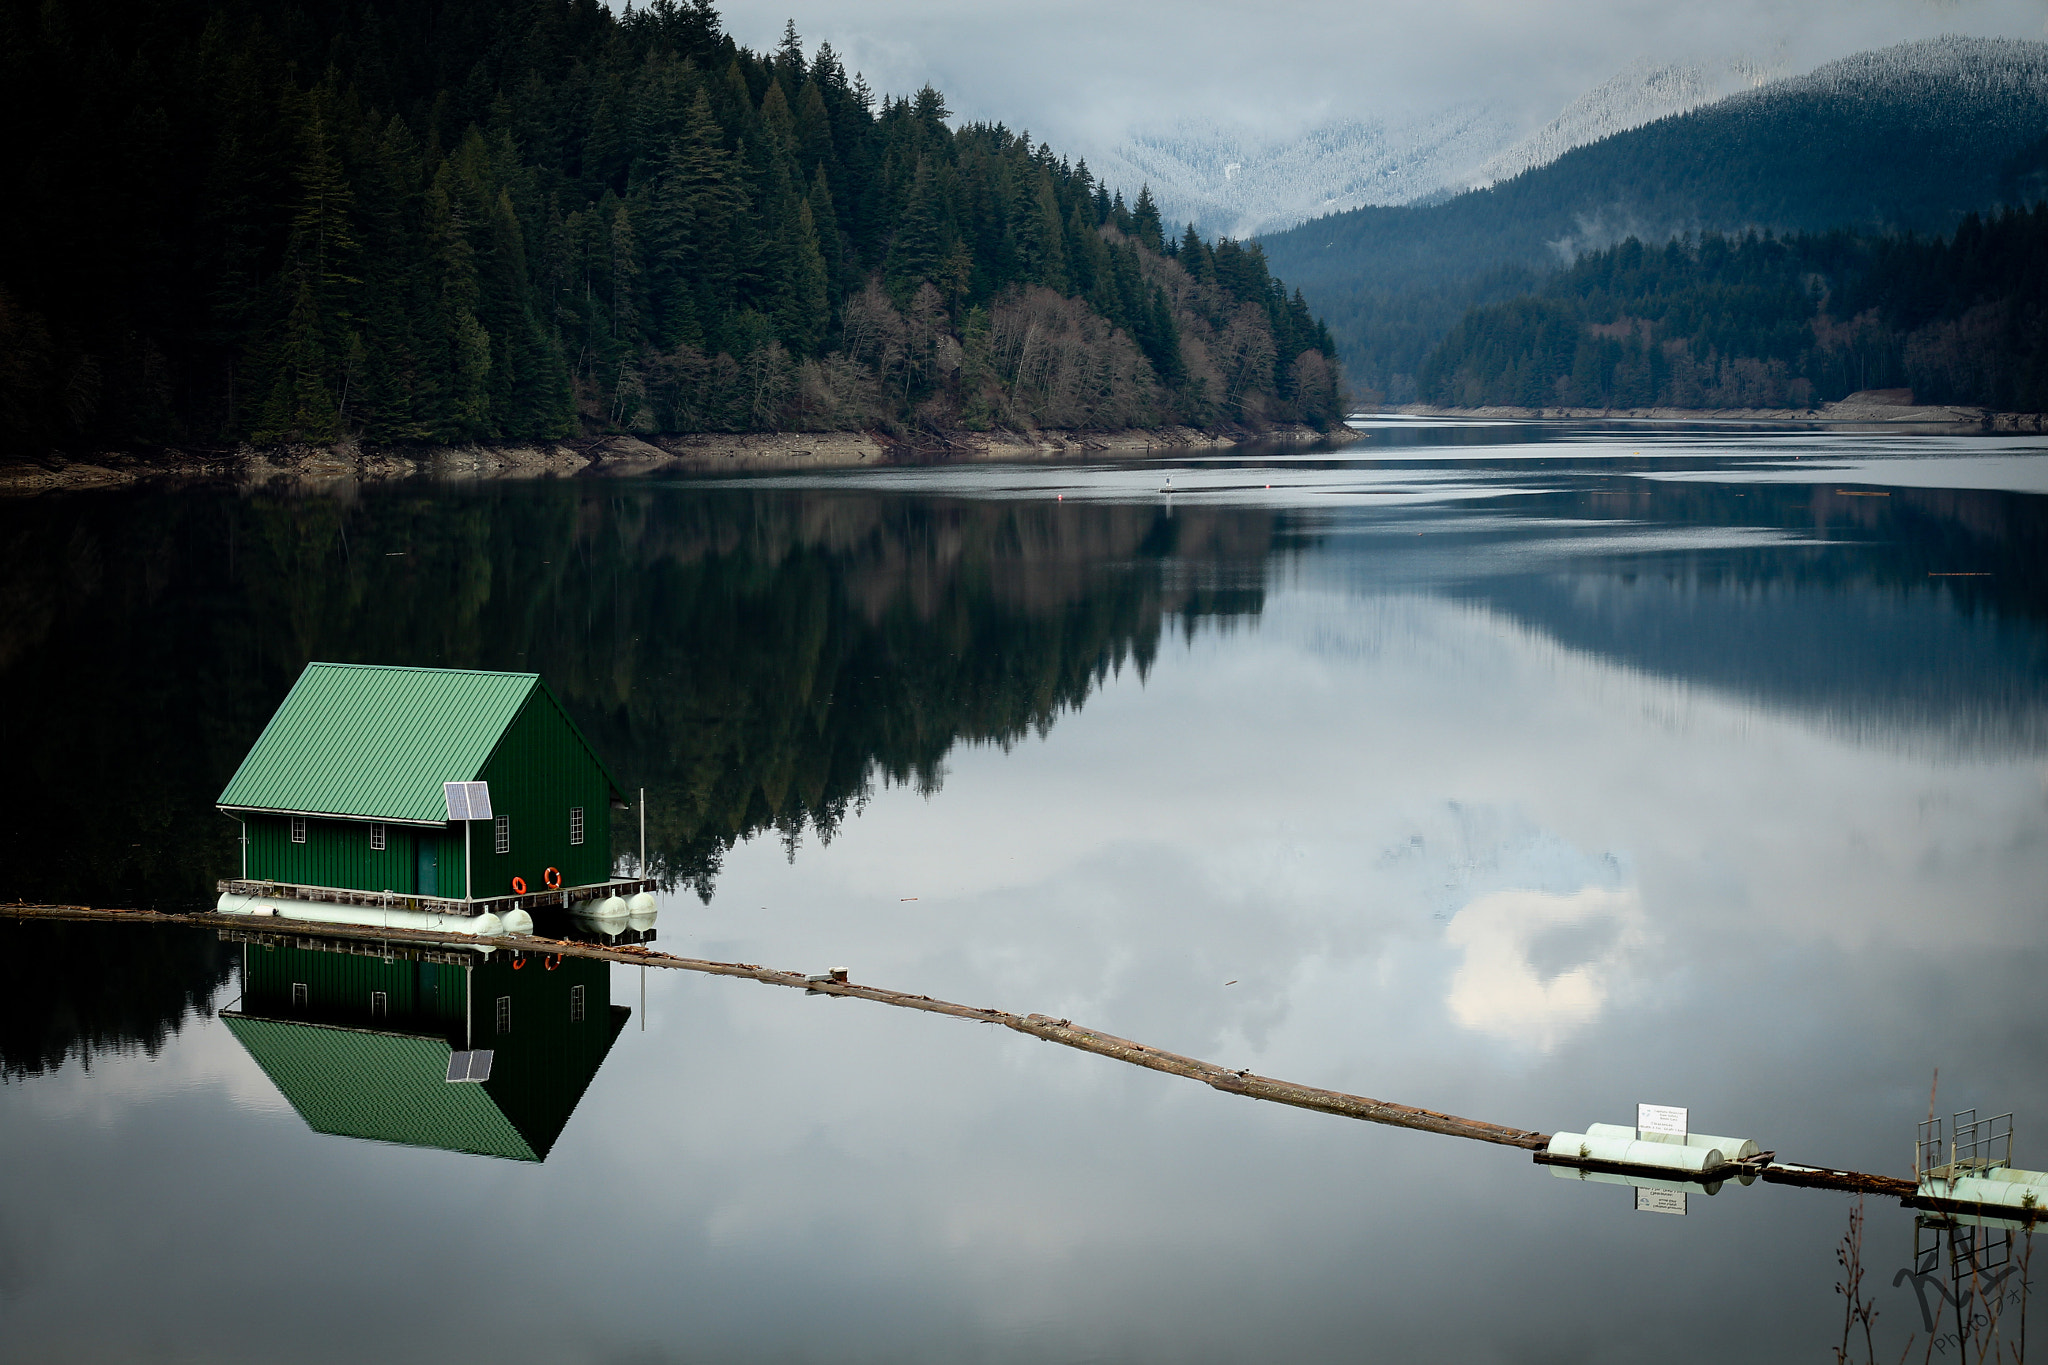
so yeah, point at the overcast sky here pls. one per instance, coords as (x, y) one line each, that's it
(1087, 70)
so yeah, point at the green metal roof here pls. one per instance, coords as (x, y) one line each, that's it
(376, 743)
(386, 1087)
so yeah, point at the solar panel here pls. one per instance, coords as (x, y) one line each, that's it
(480, 1064)
(468, 800)
(458, 1066)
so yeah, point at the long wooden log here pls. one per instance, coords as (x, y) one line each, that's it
(1827, 1178)
(1061, 1031)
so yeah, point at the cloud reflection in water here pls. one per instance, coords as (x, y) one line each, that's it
(1539, 965)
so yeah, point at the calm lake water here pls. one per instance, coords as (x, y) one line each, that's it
(1524, 773)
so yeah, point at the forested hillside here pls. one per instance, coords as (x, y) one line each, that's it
(1909, 138)
(479, 220)
(1769, 322)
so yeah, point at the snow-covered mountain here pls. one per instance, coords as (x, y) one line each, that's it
(1644, 93)
(1232, 181)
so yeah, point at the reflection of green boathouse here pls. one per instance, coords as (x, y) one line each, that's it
(471, 1052)
(421, 798)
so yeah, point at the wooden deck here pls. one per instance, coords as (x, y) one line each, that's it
(434, 905)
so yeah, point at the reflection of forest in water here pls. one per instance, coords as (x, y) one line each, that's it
(85, 991)
(755, 658)
(1913, 617)
(758, 657)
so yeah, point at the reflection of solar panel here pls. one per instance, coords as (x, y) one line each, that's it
(468, 800)
(470, 1066)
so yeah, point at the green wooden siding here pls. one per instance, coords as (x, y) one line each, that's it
(540, 771)
(336, 853)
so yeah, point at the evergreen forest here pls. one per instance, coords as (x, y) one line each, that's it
(1760, 321)
(463, 221)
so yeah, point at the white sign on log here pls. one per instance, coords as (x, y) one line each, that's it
(1660, 1201)
(1660, 1118)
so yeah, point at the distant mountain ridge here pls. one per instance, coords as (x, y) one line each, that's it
(1907, 138)
(1229, 181)
(1237, 183)
(1643, 93)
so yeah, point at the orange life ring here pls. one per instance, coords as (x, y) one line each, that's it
(553, 878)
(553, 962)
(517, 963)
(519, 886)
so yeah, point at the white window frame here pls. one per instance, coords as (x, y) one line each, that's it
(380, 1004)
(575, 825)
(300, 994)
(501, 834)
(298, 829)
(504, 1014)
(576, 1004)
(377, 837)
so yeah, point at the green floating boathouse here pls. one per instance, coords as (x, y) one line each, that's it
(436, 791)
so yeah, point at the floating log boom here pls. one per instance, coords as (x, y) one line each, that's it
(1061, 1031)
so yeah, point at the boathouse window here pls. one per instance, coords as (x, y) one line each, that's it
(376, 838)
(504, 1014)
(502, 828)
(380, 1004)
(575, 1004)
(575, 824)
(298, 993)
(298, 829)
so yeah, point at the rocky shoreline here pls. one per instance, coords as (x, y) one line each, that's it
(704, 454)
(1848, 411)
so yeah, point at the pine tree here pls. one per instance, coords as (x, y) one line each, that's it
(917, 246)
(315, 331)
(1145, 224)
(694, 214)
(463, 361)
(1037, 233)
(825, 225)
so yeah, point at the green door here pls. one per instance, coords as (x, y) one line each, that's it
(430, 860)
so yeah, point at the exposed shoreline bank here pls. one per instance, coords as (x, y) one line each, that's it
(1842, 413)
(695, 455)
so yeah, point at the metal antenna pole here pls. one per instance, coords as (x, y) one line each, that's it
(643, 832)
